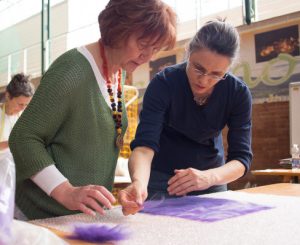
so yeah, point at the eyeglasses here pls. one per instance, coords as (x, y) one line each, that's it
(209, 76)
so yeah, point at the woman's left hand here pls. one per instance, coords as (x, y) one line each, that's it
(188, 180)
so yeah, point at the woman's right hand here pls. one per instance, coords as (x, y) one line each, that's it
(132, 198)
(84, 198)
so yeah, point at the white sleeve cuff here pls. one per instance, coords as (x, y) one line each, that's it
(48, 179)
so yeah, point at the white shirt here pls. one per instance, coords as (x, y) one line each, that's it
(100, 80)
(9, 123)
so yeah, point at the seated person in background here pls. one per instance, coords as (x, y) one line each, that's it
(178, 147)
(18, 94)
(67, 142)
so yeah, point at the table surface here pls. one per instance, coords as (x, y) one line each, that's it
(283, 189)
(277, 171)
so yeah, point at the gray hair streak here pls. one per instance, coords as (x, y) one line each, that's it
(217, 36)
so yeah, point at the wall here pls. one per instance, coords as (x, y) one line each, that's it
(269, 8)
(26, 35)
(270, 142)
(83, 25)
(269, 83)
(28, 32)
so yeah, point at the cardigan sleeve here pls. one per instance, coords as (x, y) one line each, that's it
(155, 104)
(239, 124)
(34, 131)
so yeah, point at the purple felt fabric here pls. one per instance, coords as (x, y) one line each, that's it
(203, 209)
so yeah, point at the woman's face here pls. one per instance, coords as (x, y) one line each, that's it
(205, 69)
(17, 104)
(137, 52)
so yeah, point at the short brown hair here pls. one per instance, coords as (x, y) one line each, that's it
(152, 18)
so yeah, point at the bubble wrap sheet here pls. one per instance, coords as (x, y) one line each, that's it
(280, 225)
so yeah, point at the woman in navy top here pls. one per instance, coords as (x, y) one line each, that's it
(185, 108)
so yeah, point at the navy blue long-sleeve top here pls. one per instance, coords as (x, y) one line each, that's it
(184, 134)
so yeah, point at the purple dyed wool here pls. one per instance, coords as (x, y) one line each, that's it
(99, 233)
(201, 208)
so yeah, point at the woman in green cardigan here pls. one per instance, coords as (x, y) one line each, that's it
(67, 141)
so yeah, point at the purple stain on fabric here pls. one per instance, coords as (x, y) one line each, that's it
(201, 208)
(99, 233)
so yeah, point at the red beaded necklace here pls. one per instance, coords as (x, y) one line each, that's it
(116, 109)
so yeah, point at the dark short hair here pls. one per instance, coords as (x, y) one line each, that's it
(20, 86)
(151, 18)
(217, 36)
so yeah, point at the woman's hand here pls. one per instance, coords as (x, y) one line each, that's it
(188, 180)
(87, 199)
(132, 198)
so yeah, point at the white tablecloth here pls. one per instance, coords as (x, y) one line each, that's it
(280, 225)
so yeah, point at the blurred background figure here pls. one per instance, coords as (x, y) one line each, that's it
(18, 94)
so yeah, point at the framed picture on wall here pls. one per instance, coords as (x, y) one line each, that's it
(269, 45)
(159, 64)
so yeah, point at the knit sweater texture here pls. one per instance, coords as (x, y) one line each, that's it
(69, 124)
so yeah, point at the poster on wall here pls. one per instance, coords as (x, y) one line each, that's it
(268, 45)
(155, 67)
(276, 62)
(159, 64)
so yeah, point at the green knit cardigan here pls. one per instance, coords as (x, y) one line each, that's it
(69, 124)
